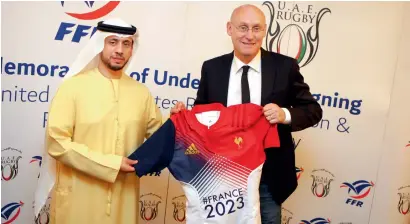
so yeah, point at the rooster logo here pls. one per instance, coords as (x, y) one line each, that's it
(238, 141)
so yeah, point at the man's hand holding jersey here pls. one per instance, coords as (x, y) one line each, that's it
(127, 165)
(178, 107)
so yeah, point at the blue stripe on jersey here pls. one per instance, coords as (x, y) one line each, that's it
(184, 167)
(156, 152)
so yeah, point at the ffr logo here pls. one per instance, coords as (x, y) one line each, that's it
(77, 31)
(80, 31)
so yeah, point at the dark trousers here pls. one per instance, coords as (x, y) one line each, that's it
(270, 211)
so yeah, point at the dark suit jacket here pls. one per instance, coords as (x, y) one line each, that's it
(283, 85)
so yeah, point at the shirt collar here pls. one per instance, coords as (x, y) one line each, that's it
(255, 64)
(96, 72)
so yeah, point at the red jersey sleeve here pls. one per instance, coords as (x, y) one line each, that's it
(272, 137)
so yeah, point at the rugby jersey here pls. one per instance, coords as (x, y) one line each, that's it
(219, 165)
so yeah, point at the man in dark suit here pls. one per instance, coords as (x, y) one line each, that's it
(250, 74)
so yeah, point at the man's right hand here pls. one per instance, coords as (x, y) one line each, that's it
(127, 165)
(178, 107)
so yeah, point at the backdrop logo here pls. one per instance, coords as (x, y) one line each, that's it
(286, 216)
(277, 35)
(179, 208)
(358, 190)
(299, 171)
(149, 206)
(10, 158)
(321, 182)
(36, 159)
(10, 212)
(96, 13)
(404, 200)
(44, 215)
(79, 31)
(154, 174)
(316, 221)
(296, 142)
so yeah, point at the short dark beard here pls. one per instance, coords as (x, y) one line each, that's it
(111, 67)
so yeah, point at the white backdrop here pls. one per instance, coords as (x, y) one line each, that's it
(353, 166)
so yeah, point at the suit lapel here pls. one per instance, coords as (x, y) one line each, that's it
(225, 72)
(268, 76)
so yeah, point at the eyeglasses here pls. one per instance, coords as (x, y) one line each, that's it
(244, 29)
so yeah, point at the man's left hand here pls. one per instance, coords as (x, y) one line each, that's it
(274, 114)
(178, 107)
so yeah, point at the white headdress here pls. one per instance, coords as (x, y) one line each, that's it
(87, 59)
(89, 55)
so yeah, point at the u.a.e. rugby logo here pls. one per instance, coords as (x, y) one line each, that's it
(403, 206)
(179, 205)
(286, 216)
(44, 215)
(149, 206)
(10, 159)
(321, 182)
(291, 22)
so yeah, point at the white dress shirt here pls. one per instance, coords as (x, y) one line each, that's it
(255, 83)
